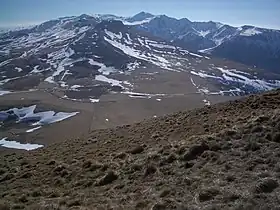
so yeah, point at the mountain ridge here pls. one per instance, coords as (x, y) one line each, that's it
(105, 101)
(261, 45)
(66, 51)
(219, 40)
(140, 14)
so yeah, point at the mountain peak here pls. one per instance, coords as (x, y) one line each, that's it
(141, 16)
(185, 20)
(146, 14)
(85, 16)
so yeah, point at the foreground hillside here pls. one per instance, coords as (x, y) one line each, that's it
(219, 157)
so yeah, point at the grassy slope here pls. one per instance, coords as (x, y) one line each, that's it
(220, 157)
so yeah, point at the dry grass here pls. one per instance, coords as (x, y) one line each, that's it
(221, 157)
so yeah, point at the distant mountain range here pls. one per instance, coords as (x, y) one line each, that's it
(87, 53)
(249, 45)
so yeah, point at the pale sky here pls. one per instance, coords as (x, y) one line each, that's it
(262, 13)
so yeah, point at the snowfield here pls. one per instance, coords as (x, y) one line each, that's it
(36, 120)
(250, 32)
(229, 76)
(27, 115)
(17, 145)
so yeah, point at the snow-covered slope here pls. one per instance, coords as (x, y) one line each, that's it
(137, 19)
(85, 56)
(221, 40)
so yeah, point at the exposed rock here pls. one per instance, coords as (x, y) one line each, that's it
(108, 178)
(195, 151)
(6, 177)
(137, 150)
(208, 194)
(276, 137)
(266, 185)
(159, 206)
(150, 170)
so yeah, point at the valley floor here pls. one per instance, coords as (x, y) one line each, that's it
(223, 156)
(152, 96)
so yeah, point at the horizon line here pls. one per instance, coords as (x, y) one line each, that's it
(34, 23)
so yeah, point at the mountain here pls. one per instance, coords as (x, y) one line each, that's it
(104, 70)
(70, 52)
(15, 28)
(225, 156)
(140, 17)
(253, 46)
(65, 79)
(247, 44)
(137, 19)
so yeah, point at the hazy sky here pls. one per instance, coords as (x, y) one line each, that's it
(263, 13)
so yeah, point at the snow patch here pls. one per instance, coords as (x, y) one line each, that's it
(150, 73)
(8, 80)
(155, 59)
(206, 102)
(18, 69)
(52, 117)
(64, 56)
(26, 114)
(75, 87)
(196, 55)
(250, 32)
(93, 100)
(133, 66)
(36, 70)
(113, 82)
(236, 76)
(128, 40)
(18, 145)
(141, 41)
(256, 83)
(105, 70)
(142, 95)
(33, 129)
(113, 35)
(162, 46)
(203, 90)
(136, 96)
(203, 33)
(67, 72)
(193, 82)
(4, 92)
(203, 75)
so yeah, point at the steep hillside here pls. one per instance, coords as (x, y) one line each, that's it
(219, 157)
(86, 57)
(105, 70)
(259, 49)
(249, 45)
